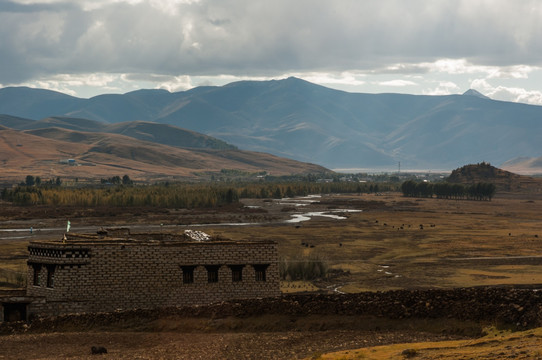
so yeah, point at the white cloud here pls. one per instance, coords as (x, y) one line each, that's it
(513, 72)
(332, 78)
(443, 88)
(397, 83)
(82, 85)
(481, 85)
(177, 83)
(504, 93)
(456, 66)
(461, 66)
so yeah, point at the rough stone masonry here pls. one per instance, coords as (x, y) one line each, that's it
(116, 270)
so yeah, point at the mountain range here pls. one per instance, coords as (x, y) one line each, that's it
(296, 119)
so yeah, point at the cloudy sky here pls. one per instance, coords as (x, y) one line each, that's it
(90, 47)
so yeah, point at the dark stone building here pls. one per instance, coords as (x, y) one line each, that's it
(116, 270)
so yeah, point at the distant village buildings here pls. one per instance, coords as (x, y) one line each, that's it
(115, 270)
(70, 162)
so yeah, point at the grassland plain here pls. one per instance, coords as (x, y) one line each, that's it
(394, 243)
(417, 243)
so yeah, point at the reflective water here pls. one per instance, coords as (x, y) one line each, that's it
(336, 214)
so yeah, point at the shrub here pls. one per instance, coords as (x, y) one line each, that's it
(303, 268)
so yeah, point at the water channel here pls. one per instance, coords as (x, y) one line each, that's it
(296, 217)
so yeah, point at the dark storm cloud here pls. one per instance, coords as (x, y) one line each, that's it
(261, 37)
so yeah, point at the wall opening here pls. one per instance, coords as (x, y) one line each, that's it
(212, 273)
(260, 272)
(14, 311)
(36, 274)
(236, 273)
(188, 274)
(50, 276)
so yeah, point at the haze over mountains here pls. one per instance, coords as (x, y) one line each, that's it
(303, 121)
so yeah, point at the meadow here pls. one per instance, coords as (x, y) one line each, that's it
(394, 242)
(397, 242)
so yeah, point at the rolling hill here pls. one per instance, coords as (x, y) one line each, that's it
(307, 122)
(524, 165)
(45, 152)
(502, 179)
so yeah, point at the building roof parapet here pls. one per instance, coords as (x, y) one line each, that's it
(75, 242)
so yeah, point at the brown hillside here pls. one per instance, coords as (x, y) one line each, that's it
(96, 155)
(504, 180)
(56, 133)
(524, 165)
(167, 135)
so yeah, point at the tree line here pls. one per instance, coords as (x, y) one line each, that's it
(174, 196)
(31, 181)
(117, 191)
(291, 189)
(443, 190)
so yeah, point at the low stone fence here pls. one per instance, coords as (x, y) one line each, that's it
(518, 307)
(521, 308)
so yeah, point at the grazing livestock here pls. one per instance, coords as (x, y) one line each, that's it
(95, 350)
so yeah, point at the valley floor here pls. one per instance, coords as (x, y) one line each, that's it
(179, 345)
(393, 243)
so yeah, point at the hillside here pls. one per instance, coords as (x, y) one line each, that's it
(504, 180)
(524, 165)
(44, 153)
(167, 135)
(307, 122)
(141, 130)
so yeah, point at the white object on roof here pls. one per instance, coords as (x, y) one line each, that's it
(197, 235)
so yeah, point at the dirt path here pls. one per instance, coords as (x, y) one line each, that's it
(175, 345)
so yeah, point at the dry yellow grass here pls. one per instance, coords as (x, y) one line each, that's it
(104, 155)
(462, 243)
(495, 345)
(296, 286)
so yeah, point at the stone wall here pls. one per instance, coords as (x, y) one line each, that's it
(519, 308)
(97, 276)
(13, 305)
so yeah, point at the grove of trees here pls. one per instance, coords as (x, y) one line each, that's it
(443, 190)
(117, 191)
(174, 196)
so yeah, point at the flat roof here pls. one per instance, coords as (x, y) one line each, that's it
(127, 238)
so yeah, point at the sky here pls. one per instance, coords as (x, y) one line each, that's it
(90, 47)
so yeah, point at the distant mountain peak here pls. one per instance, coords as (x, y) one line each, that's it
(472, 92)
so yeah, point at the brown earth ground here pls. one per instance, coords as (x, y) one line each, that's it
(266, 337)
(394, 243)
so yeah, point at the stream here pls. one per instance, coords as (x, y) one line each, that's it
(297, 217)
